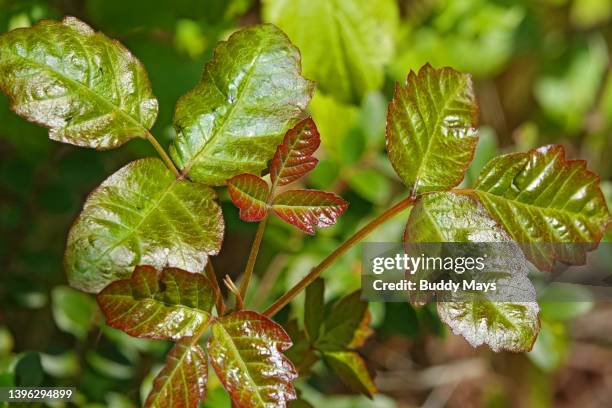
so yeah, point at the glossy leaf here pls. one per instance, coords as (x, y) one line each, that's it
(250, 194)
(246, 351)
(542, 198)
(293, 157)
(142, 215)
(431, 128)
(86, 88)
(347, 325)
(352, 371)
(345, 44)
(182, 381)
(512, 324)
(314, 308)
(251, 93)
(307, 209)
(170, 306)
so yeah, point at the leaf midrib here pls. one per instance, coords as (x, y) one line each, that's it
(100, 98)
(238, 357)
(211, 141)
(535, 207)
(425, 159)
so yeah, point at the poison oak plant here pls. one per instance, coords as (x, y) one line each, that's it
(144, 237)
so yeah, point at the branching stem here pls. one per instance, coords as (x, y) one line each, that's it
(250, 265)
(317, 270)
(212, 277)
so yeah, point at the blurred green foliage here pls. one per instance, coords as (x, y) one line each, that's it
(542, 74)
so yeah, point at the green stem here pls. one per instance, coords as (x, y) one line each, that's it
(317, 270)
(164, 156)
(248, 270)
(212, 277)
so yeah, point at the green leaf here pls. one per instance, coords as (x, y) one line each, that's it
(431, 128)
(246, 351)
(251, 93)
(504, 325)
(250, 194)
(86, 88)
(73, 311)
(371, 185)
(293, 157)
(544, 201)
(346, 326)
(307, 209)
(142, 215)
(182, 381)
(345, 44)
(314, 308)
(352, 371)
(170, 306)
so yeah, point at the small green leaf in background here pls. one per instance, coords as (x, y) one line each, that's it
(503, 323)
(314, 308)
(345, 43)
(170, 306)
(29, 371)
(86, 88)
(431, 128)
(142, 215)
(182, 381)
(539, 197)
(371, 185)
(343, 323)
(246, 351)
(334, 120)
(73, 311)
(352, 371)
(566, 97)
(250, 94)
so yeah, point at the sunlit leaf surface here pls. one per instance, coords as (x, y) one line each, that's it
(307, 209)
(142, 215)
(86, 88)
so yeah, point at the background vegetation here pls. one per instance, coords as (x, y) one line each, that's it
(542, 73)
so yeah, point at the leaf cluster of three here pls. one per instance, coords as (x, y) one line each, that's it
(90, 91)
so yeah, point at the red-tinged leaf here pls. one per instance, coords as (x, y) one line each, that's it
(293, 157)
(246, 351)
(352, 371)
(170, 306)
(249, 193)
(307, 209)
(182, 381)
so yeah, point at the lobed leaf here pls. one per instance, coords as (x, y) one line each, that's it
(246, 351)
(352, 371)
(87, 89)
(250, 194)
(170, 306)
(345, 44)
(182, 381)
(314, 308)
(347, 325)
(511, 324)
(142, 215)
(544, 201)
(307, 209)
(250, 94)
(293, 157)
(431, 128)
